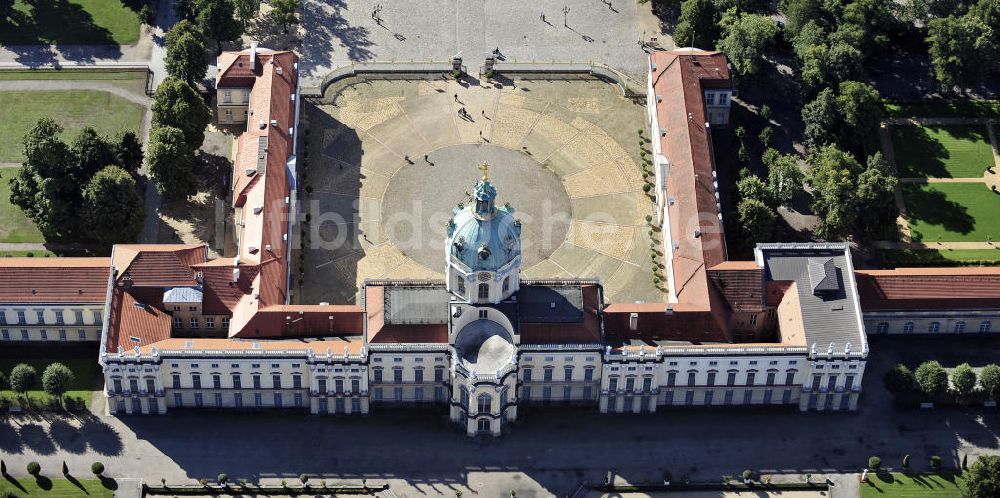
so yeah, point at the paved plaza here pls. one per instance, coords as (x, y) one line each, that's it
(547, 453)
(338, 32)
(389, 161)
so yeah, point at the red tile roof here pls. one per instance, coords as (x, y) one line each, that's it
(133, 318)
(220, 294)
(929, 288)
(54, 280)
(683, 323)
(158, 265)
(741, 284)
(304, 321)
(380, 333)
(694, 219)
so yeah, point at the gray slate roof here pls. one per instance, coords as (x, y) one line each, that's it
(827, 291)
(182, 295)
(416, 305)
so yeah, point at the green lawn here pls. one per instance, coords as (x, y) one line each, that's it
(954, 151)
(956, 108)
(96, 22)
(56, 488)
(941, 257)
(14, 225)
(952, 212)
(73, 109)
(69, 74)
(899, 485)
(86, 373)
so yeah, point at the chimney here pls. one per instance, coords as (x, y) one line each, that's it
(236, 274)
(253, 56)
(633, 322)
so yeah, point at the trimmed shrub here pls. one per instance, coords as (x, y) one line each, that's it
(97, 468)
(874, 463)
(222, 479)
(935, 462)
(34, 468)
(747, 475)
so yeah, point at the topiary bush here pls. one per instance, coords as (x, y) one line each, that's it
(34, 468)
(97, 468)
(935, 462)
(874, 462)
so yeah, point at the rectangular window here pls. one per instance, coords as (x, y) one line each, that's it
(178, 322)
(629, 403)
(588, 374)
(747, 396)
(238, 400)
(398, 394)
(296, 382)
(217, 382)
(237, 381)
(397, 375)
(338, 385)
(731, 379)
(276, 381)
(21, 320)
(218, 400)
(133, 385)
(210, 322)
(339, 406)
(6, 334)
(297, 400)
(786, 396)
(708, 397)
(831, 383)
(225, 322)
(117, 385)
(44, 334)
(691, 378)
(258, 400)
(178, 400)
(321, 385)
(527, 375)
(256, 381)
(568, 374)
(750, 378)
(227, 97)
(438, 393)
(848, 382)
(78, 317)
(378, 394)
(356, 405)
(176, 381)
(278, 400)
(647, 384)
(3, 317)
(612, 384)
(547, 394)
(711, 379)
(418, 375)
(547, 374)
(418, 394)
(689, 397)
(39, 316)
(24, 335)
(356, 385)
(59, 318)
(81, 334)
(770, 378)
(199, 400)
(150, 386)
(62, 334)
(817, 379)
(671, 378)
(196, 381)
(588, 392)
(567, 393)
(194, 323)
(727, 399)
(438, 374)
(790, 378)
(484, 314)
(709, 98)
(767, 397)
(526, 393)
(377, 375)
(630, 384)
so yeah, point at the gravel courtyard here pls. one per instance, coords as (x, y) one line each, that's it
(388, 161)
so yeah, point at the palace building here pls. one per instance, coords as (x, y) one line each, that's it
(178, 330)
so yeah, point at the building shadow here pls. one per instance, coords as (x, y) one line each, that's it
(60, 23)
(326, 28)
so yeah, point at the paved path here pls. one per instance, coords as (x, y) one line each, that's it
(942, 180)
(884, 244)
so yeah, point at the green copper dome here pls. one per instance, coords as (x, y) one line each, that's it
(482, 236)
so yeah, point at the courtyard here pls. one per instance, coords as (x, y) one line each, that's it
(387, 161)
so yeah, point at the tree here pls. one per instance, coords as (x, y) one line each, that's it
(23, 378)
(283, 13)
(128, 152)
(982, 480)
(171, 164)
(964, 379)
(899, 380)
(3, 381)
(989, 380)
(184, 9)
(92, 152)
(697, 25)
(745, 39)
(113, 208)
(784, 177)
(246, 11)
(757, 219)
(6, 8)
(961, 49)
(42, 188)
(932, 379)
(799, 13)
(821, 118)
(752, 187)
(177, 104)
(34, 468)
(860, 107)
(56, 379)
(873, 20)
(832, 178)
(187, 56)
(217, 19)
(146, 15)
(874, 197)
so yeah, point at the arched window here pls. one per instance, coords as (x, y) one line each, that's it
(483, 425)
(484, 291)
(613, 383)
(506, 283)
(882, 328)
(461, 285)
(959, 326)
(485, 402)
(908, 328)
(935, 327)
(465, 398)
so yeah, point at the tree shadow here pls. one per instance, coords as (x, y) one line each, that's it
(14, 482)
(54, 22)
(43, 482)
(918, 154)
(108, 483)
(101, 438)
(75, 482)
(934, 208)
(36, 439)
(66, 437)
(326, 28)
(10, 441)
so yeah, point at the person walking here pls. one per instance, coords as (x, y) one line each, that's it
(456, 97)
